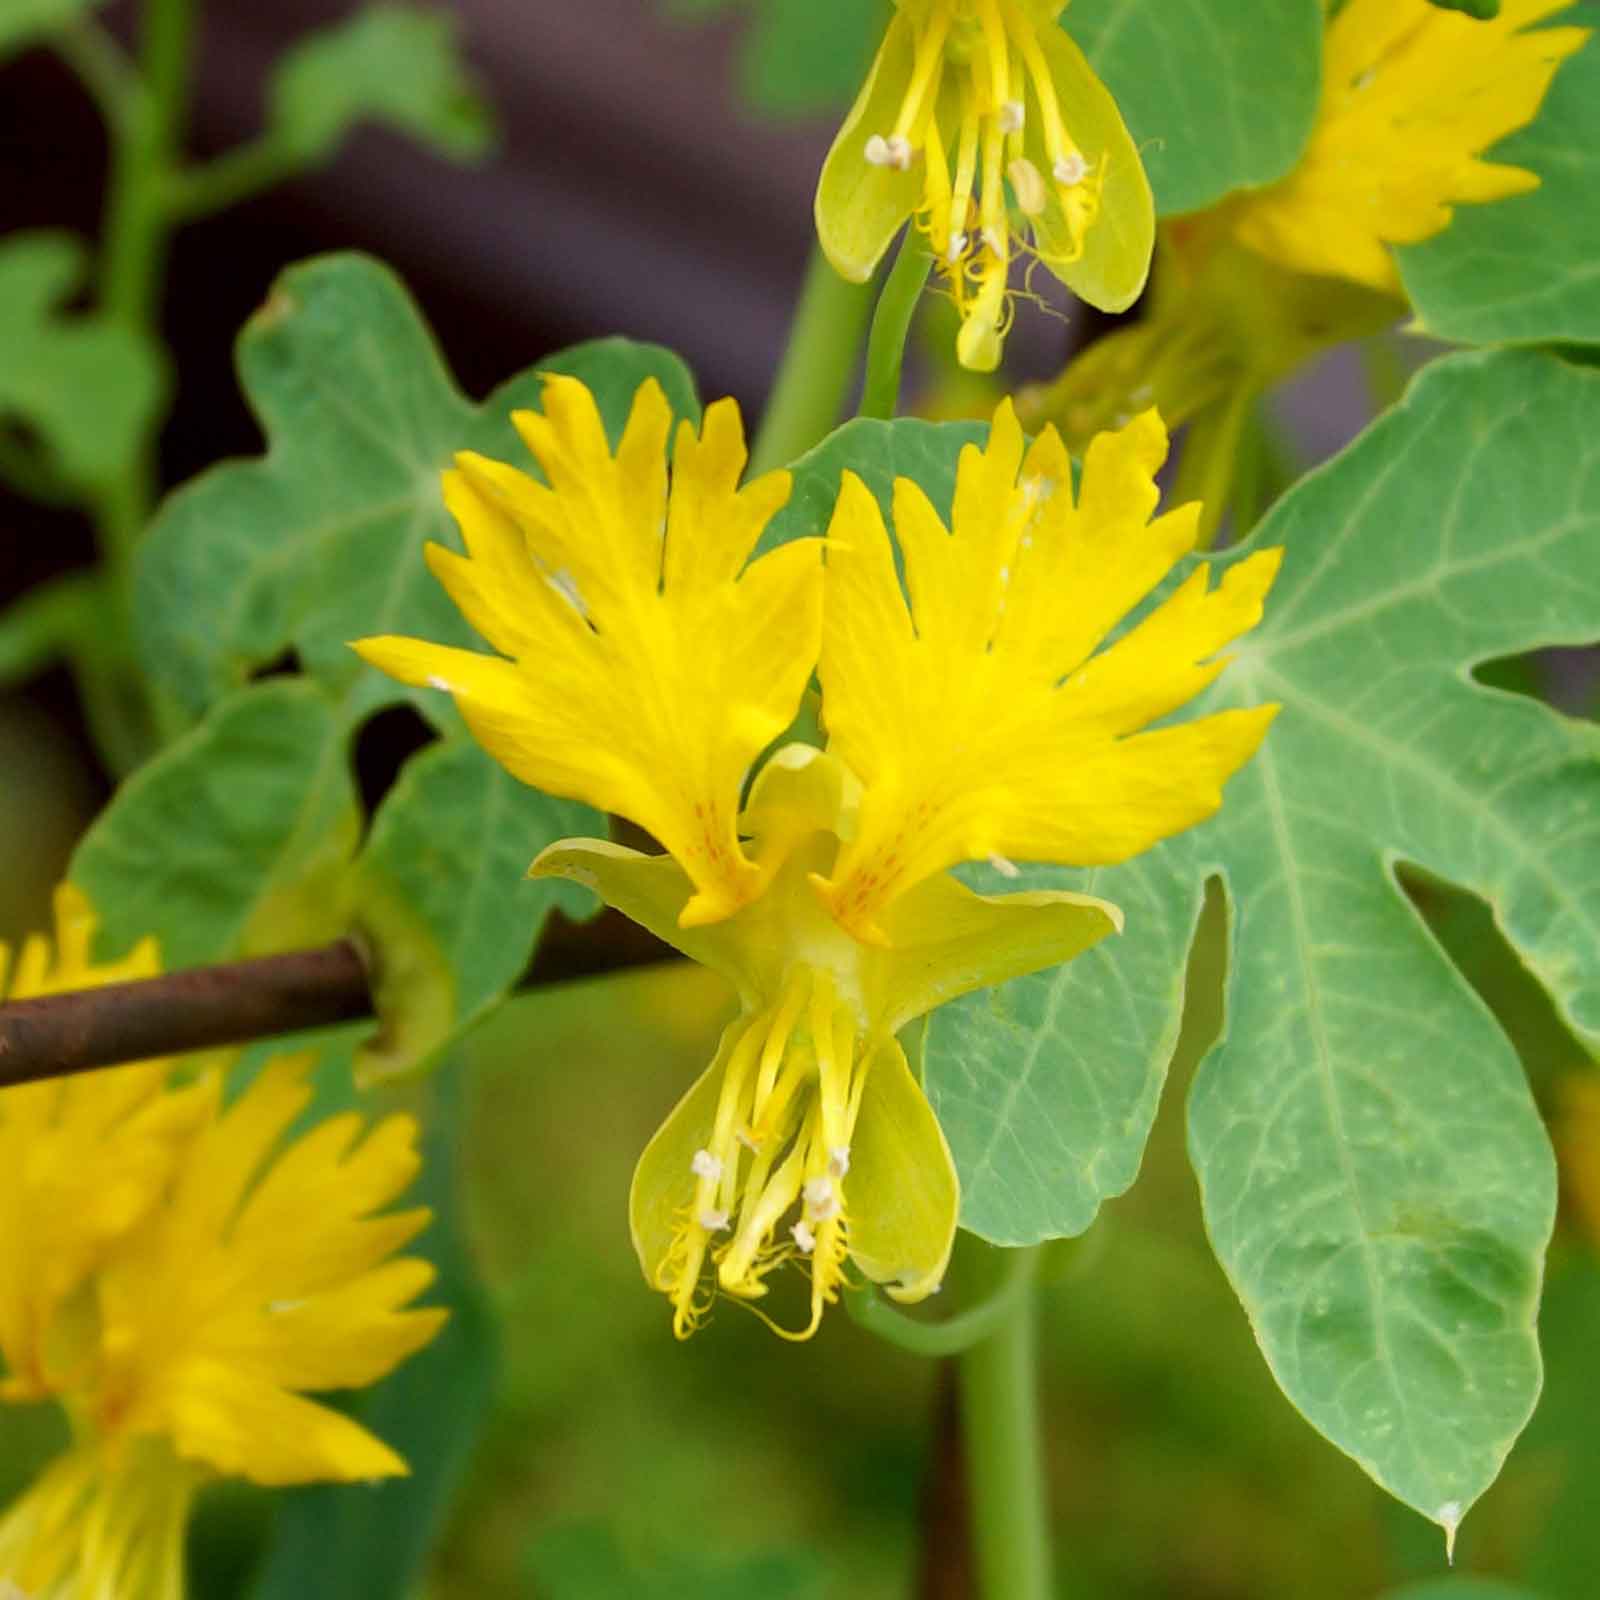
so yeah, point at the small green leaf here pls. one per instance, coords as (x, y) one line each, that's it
(1526, 270)
(27, 22)
(390, 63)
(1218, 94)
(375, 1539)
(442, 888)
(320, 541)
(235, 839)
(91, 388)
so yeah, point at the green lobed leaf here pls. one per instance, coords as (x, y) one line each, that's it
(320, 541)
(375, 1539)
(390, 63)
(233, 841)
(1526, 270)
(442, 883)
(1375, 1177)
(1218, 94)
(88, 386)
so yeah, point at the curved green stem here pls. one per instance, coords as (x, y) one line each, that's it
(818, 365)
(955, 1334)
(234, 176)
(891, 322)
(1005, 1461)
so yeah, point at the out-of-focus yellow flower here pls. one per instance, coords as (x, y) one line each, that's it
(182, 1340)
(967, 99)
(1412, 96)
(82, 1160)
(1577, 1140)
(1250, 290)
(986, 719)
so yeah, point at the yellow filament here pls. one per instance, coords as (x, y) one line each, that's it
(994, 39)
(938, 221)
(1057, 141)
(772, 1051)
(993, 198)
(926, 70)
(741, 1266)
(966, 161)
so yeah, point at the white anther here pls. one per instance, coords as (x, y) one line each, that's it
(1070, 169)
(996, 241)
(706, 1165)
(1027, 185)
(838, 1160)
(1006, 869)
(956, 248)
(1011, 116)
(895, 151)
(713, 1220)
(804, 1238)
(821, 1201)
(434, 682)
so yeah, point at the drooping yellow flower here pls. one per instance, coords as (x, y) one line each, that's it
(966, 99)
(182, 1340)
(985, 718)
(1412, 96)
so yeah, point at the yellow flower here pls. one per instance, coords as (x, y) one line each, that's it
(985, 720)
(83, 1159)
(965, 98)
(1412, 96)
(182, 1341)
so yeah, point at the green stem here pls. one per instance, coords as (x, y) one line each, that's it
(1004, 1458)
(1210, 459)
(144, 149)
(102, 67)
(955, 1334)
(891, 322)
(817, 368)
(236, 175)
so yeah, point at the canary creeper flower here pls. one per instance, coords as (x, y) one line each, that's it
(977, 714)
(966, 100)
(1412, 96)
(239, 1277)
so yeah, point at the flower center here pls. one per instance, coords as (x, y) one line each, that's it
(769, 1186)
(1001, 83)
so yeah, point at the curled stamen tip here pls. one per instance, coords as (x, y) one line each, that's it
(956, 248)
(804, 1238)
(706, 1165)
(713, 1220)
(838, 1160)
(1070, 169)
(996, 241)
(895, 151)
(1012, 115)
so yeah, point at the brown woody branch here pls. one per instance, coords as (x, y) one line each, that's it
(206, 1007)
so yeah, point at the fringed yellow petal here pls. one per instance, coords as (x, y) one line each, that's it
(265, 1273)
(239, 1424)
(1412, 96)
(904, 1196)
(86, 1158)
(961, 714)
(649, 664)
(860, 204)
